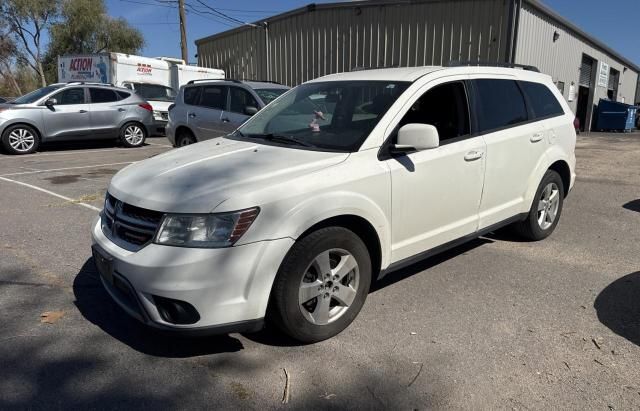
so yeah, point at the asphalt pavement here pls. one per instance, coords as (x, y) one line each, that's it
(496, 323)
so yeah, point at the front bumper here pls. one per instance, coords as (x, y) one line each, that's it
(228, 287)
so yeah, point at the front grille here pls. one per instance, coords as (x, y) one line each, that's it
(165, 116)
(129, 226)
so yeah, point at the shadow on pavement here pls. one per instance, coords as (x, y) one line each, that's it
(618, 307)
(633, 205)
(96, 305)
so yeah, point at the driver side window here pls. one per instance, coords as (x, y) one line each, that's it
(445, 107)
(70, 96)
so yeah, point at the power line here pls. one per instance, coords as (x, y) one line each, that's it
(221, 14)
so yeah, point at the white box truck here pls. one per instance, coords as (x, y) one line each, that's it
(157, 80)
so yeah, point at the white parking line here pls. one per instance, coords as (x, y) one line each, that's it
(66, 153)
(65, 169)
(71, 200)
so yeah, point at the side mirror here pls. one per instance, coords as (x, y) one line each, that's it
(51, 102)
(250, 110)
(417, 136)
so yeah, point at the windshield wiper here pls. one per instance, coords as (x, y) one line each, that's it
(282, 139)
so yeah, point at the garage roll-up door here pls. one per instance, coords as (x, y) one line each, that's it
(586, 69)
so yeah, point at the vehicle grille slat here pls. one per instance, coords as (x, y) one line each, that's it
(129, 226)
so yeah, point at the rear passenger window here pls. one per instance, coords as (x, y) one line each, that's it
(499, 104)
(192, 95)
(213, 97)
(123, 94)
(102, 95)
(542, 101)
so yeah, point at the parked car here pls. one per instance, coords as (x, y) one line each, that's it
(206, 109)
(74, 111)
(340, 181)
(2, 100)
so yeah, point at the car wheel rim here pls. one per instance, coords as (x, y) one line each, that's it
(134, 135)
(329, 286)
(21, 139)
(548, 205)
(185, 141)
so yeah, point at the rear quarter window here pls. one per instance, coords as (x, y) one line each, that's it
(541, 100)
(499, 104)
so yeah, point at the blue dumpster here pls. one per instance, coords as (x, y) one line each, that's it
(614, 116)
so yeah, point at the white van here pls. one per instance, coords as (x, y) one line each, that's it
(154, 79)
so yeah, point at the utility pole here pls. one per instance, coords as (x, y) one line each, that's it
(183, 32)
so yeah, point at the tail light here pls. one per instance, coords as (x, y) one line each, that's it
(146, 106)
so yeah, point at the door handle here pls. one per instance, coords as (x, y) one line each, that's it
(225, 120)
(536, 137)
(192, 115)
(82, 111)
(473, 155)
(121, 109)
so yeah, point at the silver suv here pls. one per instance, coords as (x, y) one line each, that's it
(74, 111)
(206, 109)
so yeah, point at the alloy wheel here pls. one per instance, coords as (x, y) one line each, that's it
(21, 140)
(548, 205)
(133, 135)
(329, 286)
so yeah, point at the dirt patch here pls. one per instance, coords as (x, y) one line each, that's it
(66, 179)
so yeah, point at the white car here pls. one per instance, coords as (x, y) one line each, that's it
(338, 182)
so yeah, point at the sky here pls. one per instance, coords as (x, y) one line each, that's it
(158, 20)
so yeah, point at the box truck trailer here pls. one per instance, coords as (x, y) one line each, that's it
(155, 79)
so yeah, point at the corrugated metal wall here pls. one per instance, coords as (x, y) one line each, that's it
(561, 59)
(327, 40)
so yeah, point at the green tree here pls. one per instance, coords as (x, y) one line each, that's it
(27, 20)
(84, 27)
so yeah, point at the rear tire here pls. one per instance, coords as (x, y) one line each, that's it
(321, 285)
(20, 139)
(133, 135)
(185, 138)
(545, 211)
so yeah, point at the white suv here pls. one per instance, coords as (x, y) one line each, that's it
(336, 183)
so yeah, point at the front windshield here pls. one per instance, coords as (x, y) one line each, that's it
(155, 92)
(269, 94)
(334, 115)
(35, 95)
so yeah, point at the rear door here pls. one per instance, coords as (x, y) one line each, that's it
(515, 145)
(69, 117)
(105, 112)
(205, 118)
(239, 102)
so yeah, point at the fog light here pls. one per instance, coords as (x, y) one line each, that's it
(176, 311)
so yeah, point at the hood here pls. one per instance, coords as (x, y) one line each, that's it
(199, 177)
(160, 105)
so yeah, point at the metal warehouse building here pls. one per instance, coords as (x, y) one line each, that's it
(320, 39)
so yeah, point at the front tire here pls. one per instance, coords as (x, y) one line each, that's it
(20, 139)
(321, 285)
(133, 135)
(545, 211)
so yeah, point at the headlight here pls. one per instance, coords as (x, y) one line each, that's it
(205, 230)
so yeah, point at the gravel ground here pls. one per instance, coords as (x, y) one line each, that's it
(495, 323)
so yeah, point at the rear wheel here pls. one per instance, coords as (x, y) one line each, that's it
(20, 139)
(133, 135)
(545, 211)
(321, 285)
(185, 138)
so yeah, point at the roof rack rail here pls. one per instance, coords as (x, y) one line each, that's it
(213, 79)
(262, 81)
(361, 68)
(93, 83)
(458, 63)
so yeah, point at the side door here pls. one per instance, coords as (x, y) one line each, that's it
(105, 113)
(515, 145)
(205, 118)
(241, 102)
(436, 193)
(69, 116)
